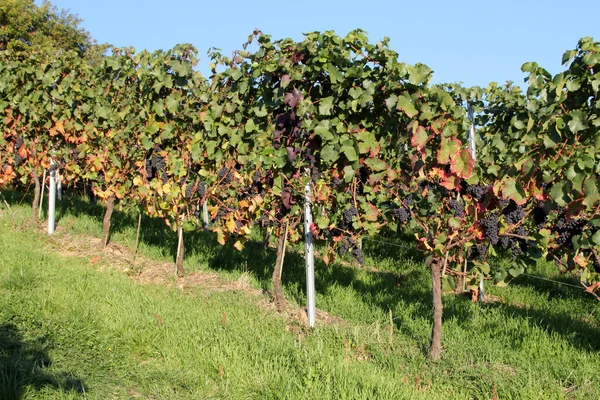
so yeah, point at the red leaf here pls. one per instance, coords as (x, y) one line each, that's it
(462, 164)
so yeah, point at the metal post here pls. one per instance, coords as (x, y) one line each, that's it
(52, 197)
(472, 133)
(481, 296)
(310, 258)
(205, 214)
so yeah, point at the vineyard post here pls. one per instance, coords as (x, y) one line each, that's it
(481, 292)
(205, 214)
(310, 258)
(51, 197)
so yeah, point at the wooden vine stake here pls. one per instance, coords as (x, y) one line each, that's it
(436, 332)
(110, 207)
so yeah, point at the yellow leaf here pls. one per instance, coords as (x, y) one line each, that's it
(231, 226)
(581, 260)
(220, 236)
(238, 245)
(137, 181)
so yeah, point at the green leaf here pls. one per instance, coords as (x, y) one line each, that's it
(329, 154)
(349, 151)
(250, 126)
(348, 173)
(591, 190)
(376, 164)
(420, 138)
(596, 238)
(323, 129)
(326, 105)
(172, 102)
(514, 191)
(146, 142)
(391, 101)
(152, 128)
(418, 73)
(560, 193)
(448, 148)
(405, 104)
(576, 124)
(455, 223)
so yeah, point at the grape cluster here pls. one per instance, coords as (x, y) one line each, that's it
(513, 213)
(475, 191)
(490, 226)
(409, 200)
(567, 228)
(349, 245)
(457, 207)
(201, 189)
(155, 165)
(344, 246)
(314, 174)
(358, 255)
(540, 215)
(477, 252)
(189, 191)
(347, 214)
(18, 144)
(517, 246)
(225, 174)
(336, 182)
(257, 178)
(164, 177)
(402, 214)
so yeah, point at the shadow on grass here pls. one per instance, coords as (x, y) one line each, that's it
(23, 366)
(381, 289)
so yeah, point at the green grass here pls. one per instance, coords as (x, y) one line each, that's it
(73, 329)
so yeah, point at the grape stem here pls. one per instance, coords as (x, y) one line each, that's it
(516, 236)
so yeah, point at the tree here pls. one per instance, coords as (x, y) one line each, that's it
(26, 27)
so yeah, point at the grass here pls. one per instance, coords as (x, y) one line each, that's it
(71, 328)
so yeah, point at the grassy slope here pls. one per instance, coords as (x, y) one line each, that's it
(69, 328)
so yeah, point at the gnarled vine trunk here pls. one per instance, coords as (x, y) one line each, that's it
(36, 193)
(436, 333)
(110, 207)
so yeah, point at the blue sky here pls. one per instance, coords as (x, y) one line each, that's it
(474, 42)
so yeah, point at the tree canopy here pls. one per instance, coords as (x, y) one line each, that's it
(26, 27)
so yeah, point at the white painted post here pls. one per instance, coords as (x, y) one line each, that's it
(205, 214)
(472, 134)
(310, 259)
(472, 144)
(52, 197)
